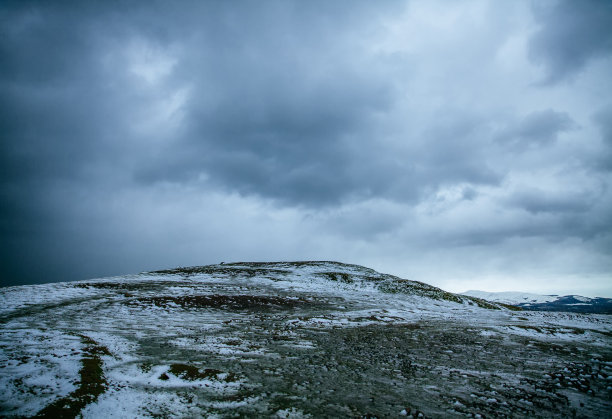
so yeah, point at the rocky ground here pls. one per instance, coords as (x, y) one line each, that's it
(292, 340)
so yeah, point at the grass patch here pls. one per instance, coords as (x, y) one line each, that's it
(527, 327)
(192, 373)
(145, 367)
(510, 307)
(551, 330)
(396, 285)
(92, 383)
(231, 271)
(482, 303)
(295, 264)
(109, 286)
(337, 276)
(235, 302)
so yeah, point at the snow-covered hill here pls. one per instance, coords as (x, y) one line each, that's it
(572, 303)
(291, 339)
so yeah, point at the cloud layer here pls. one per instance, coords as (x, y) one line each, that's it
(466, 145)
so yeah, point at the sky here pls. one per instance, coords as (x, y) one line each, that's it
(466, 144)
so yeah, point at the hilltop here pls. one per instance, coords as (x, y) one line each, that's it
(291, 339)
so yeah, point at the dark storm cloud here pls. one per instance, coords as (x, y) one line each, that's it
(274, 97)
(281, 106)
(542, 127)
(145, 134)
(603, 118)
(536, 129)
(572, 33)
(278, 106)
(289, 137)
(60, 112)
(603, 121)
(541, 201)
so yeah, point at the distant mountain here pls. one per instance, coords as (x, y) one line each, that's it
(538, 302)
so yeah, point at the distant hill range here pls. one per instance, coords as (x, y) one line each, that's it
(538, 302)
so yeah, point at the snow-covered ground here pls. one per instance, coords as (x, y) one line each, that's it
(291, 340)
(511, 297)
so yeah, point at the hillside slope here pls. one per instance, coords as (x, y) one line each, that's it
(291, 339)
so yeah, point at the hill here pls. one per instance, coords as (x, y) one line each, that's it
(291, 339)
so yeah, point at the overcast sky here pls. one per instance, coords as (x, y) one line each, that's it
(467, 144)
